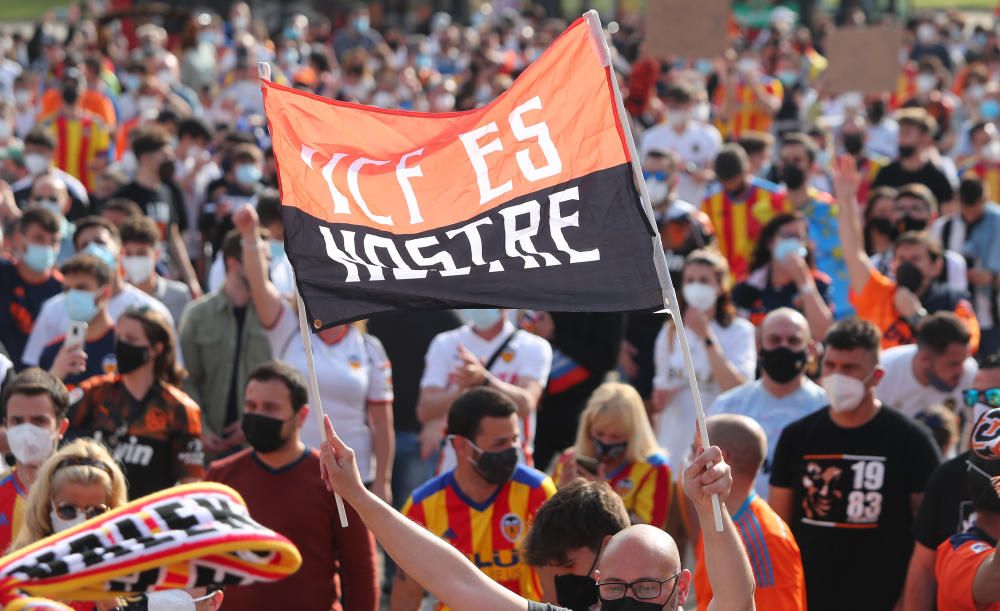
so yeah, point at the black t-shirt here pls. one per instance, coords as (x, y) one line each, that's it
(946, 509)
(165, 205)
(893, 175)
(406, 337)
(852, 512)
(641, 330)
(100, 357)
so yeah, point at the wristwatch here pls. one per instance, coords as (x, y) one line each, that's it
(709, 342)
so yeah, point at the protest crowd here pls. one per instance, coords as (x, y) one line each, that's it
(836, 257)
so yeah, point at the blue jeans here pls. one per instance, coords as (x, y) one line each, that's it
(408, 472)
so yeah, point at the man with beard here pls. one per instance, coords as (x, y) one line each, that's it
(849, 478)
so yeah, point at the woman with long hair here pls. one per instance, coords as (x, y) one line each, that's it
(149, 423)
(722, 347)
(615, 443)
(783, 275)
(80, 481)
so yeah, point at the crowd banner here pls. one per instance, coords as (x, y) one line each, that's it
(529, 202)
(189, 536)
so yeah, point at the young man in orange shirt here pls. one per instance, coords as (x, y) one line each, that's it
(895, 306)
(774, 554)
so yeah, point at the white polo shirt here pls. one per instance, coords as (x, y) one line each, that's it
(53, 321)
(351, 373)
(526, 357)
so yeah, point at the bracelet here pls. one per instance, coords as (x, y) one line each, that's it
(806, 289)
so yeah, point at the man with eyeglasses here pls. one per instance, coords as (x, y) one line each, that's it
(640, 567)
(947, 508)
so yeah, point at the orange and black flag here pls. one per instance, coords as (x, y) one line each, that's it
(528, 202)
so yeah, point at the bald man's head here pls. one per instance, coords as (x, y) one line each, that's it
(645, 552)
(783, 319)
(743, 442)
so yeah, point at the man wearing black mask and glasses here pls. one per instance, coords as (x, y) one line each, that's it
(484, 505)
(566, 540)
(639, 569)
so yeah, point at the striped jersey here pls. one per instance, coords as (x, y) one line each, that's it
(773, 554)
(488, 533)
(989, 173)
(12, 493)
(747, 113)
(738, 223)
(78, 142)
(869, 167)
(646, 487)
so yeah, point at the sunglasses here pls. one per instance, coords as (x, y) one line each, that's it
(990, 396)
(69, 512)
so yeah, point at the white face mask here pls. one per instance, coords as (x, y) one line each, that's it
(30, 444)
(658, 190)
(926, 82)
(677, 118)
(700, 296)
(137, 269)
(36, 163)
(172, 600)
(59, 524)
(845, 393)
(482, 319)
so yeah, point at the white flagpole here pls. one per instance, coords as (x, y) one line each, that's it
(659, 258)
(264, 71)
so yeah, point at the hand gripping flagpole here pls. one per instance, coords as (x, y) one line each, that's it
(264, 71)
(659, 258)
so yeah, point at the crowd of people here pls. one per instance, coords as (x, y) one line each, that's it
(836, 262)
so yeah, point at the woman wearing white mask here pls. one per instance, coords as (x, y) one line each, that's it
(783, 275)
(722, 347)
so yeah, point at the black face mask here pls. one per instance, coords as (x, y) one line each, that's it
(632, 604)
(129, 356)
(854, 144)
(70, 94)
(876, 112)
(496, 467)
(606, 452)
(578, 592)
(906, 151)
(263, 433)
(783, 364)
(908, 223)
(909, 277)
(884, 226)
(792, 176)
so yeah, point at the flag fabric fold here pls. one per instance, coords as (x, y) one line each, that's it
(188, 536)
(529, 202)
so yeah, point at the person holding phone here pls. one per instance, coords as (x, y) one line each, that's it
(615, 443)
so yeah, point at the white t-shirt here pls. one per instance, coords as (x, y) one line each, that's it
(900, 389)
(699, 143)
(53, 321)
(526, 357)
(773, 415)
(675, 430)
(351, 373)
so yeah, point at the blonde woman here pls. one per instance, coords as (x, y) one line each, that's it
(615, 443)
(722, 347)
(79, 482)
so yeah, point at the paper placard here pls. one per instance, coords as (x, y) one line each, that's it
(865, 60)
(692, 29)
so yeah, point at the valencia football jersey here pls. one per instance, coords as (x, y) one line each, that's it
(157, 438)
(646, 487)
(12, 493)
(488, 533)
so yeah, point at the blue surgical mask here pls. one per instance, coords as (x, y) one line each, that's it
(786, 247)
(39, 258)
(277, 249)
(247, 174)
(81, 306)
(788, 77)
(704, 66)
(361, 24)
(989, 110)
(101, 252)
(482, 319)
